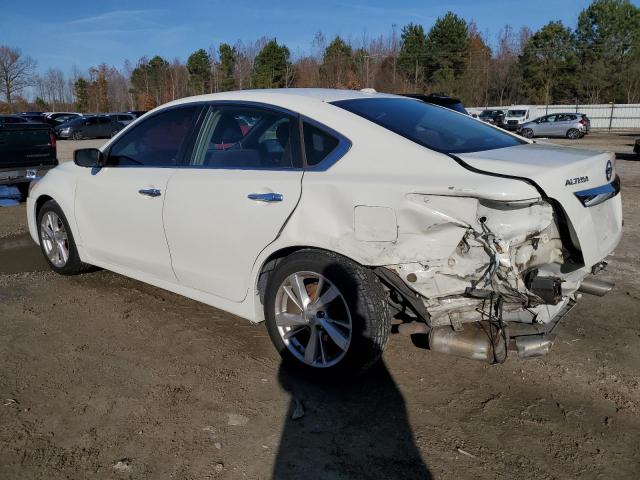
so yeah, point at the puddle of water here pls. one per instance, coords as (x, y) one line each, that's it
(20, 254)
(9, 196)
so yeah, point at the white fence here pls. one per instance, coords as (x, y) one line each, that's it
(606, 116)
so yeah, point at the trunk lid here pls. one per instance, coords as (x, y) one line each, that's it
(561, 172)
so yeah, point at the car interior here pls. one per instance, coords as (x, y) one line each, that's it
(251, 139)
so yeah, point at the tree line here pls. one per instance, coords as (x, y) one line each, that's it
(596, 61)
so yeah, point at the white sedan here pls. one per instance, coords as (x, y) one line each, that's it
(328, 212)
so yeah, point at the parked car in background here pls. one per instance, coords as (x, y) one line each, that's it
(33, 117)
(27, 151)
(332, 209)
(123, 118)
(59, 120)
(54, 115)
(439, 99)
(636, 147)
(136, 113)
(91, 126)
(494, 117)
(570, 125)
(13, 119)
(516, 116)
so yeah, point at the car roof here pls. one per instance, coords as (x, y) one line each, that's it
(325, 95)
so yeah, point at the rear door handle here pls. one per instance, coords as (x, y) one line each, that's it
(150, 192)
(265, 197)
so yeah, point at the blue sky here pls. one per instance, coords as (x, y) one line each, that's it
(85, 33)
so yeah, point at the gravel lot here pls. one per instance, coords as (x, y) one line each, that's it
(105, 377)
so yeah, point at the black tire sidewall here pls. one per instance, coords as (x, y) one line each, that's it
(74, 265)
(574, 137)
(366, 301)
(527, 133)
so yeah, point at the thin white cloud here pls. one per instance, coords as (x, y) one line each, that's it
(116, 15)
(94, 33)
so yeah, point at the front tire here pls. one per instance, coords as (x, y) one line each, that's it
(326, 314)
(527, 133)
(77, 136)
(56, 241)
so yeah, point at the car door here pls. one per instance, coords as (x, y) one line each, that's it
(238, 190)
(546, 125)
(104, 127)
(119, 207)
(557, 125)
(89, 127)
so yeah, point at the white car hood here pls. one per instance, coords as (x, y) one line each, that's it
(560, 172)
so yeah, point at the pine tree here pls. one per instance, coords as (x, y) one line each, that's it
(411, 60)
(272, 68)
(199, 67)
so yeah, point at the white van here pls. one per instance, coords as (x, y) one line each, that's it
(516, 116)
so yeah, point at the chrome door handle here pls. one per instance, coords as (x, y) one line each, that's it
(265, 197)
(150, 192)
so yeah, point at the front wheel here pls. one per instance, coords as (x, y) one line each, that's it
(56, 241)
(326, 314)
(77, 136)
(114, 133)
(573, 133)
(527, 133)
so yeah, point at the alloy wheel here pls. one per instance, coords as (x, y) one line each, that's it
(54, 238)
(313, 319)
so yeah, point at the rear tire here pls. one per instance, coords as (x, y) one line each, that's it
(527, 133)
(336, 332)
(573, 133)
(56, 241)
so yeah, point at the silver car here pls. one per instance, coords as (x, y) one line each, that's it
(570, 125)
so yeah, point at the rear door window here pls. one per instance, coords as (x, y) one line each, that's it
(239, 137)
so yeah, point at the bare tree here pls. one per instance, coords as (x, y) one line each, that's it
(16, 71)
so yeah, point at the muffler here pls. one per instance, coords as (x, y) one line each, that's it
(594, 286)
(482, 341)
(530, 346)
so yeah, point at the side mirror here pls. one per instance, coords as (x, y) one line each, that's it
(88, 157)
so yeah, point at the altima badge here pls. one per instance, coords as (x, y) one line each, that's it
(576, 180)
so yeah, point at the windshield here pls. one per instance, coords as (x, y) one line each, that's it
(516, 113)
(434, 127)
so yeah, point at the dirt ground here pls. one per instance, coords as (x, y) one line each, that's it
(105, 377)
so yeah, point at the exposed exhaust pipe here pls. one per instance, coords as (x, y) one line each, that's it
(530, 346)
(597, 287)
(477, 341)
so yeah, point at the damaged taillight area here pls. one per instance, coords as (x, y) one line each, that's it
(498, 246)
(506, 267)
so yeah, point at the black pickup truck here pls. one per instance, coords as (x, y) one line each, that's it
(27, 151)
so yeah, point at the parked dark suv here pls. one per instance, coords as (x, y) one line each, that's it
(93, 126)
(439, 99)
(10, 119)
(494, 117)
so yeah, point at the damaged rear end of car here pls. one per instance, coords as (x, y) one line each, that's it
(494, 273)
